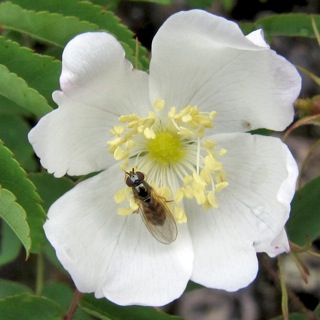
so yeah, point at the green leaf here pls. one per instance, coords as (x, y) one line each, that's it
(111, 5)
(201, 4)
(104, 309)
(10, 245)
(13, 132)
(292, 24)
(58, 187)
(29, 307)
(48, 27)
(8, 107)
(15, 216)
(97, 15)
(40, 72)
(60, 293)
(16, 89)
(63, 295)
(298, 25)
(14, 179)
(12, 288)
(227, 5)
(305, 218)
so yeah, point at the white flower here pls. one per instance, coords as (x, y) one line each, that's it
(183, 125)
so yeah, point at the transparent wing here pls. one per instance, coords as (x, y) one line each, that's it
(167, 231)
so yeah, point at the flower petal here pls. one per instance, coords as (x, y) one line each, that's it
(95, 71)
(115, 256)
(98, 85)
(224, 254)
(252, 211)
(204, 60)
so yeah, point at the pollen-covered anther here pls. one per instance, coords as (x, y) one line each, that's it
(211, 163)
(115, 142)
(179, 214)
(122, 195)
(128, 118)
(212, 199)
(124, 211)
(120, 154)
(133, 205)
(190, 122)
(159, 104)
(149, 133)
(220, 186)
(117, 130)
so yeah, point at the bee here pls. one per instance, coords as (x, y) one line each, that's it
(153, 209)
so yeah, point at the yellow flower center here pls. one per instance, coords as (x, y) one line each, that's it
(171, 151)
(166, 148)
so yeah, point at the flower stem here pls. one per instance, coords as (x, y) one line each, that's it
(40, 274)
(265, 262)
(284, 299)
(74, 305)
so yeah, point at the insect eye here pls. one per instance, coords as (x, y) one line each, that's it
(140, 176)
(129, 182)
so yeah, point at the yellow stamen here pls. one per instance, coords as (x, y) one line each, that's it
(163, 144)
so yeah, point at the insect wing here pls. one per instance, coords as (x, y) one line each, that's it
(165, 233)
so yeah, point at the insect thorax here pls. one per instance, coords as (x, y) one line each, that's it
(142, 191)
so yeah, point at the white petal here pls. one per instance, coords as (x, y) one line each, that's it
(257, 38)
(252, 211)
(115, 256)
(98, 84)
(205, 60)
(224, 254)
(73, 140)
(95, 71)
(279, 245)
(262, 175)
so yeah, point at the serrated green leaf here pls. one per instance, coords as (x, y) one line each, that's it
(16, 89)
(13, 132)
(40, 72)
(305, 214)
(86, 11)
(15, 216)
(9, 245)
(8, 107)
(29, 307)
(14, 179)
(48, 27)
(104, 309)
(12, 288)
(58, 187)
(111, 5)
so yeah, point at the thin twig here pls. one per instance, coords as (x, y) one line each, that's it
(294, 299)
(74, 305)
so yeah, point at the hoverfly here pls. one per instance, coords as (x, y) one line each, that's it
(153, 209)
